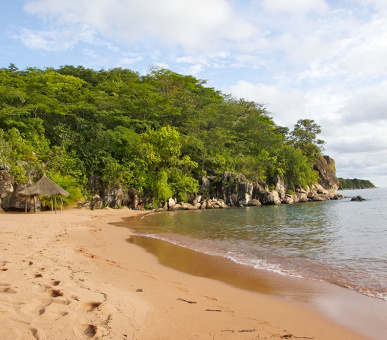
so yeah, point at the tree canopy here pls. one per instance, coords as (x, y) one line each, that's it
(158, 133)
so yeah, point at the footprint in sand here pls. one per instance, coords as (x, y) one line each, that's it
(51, 313)
(10, 291)
(5, 288)
(210, 298)
(91, 306)
(55, 293)
(3, 268)
(37, 333)
(91, 330)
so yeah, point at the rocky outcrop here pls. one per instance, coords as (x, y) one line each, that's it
(14, 202)
(271, 198)
(217, 191)
(325, 166)
(6, 184)
(116, 197)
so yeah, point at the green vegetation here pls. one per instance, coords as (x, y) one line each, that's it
(355, 183)
(158, 133)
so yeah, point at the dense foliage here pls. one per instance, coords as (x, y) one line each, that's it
(158, 133)
(355, 183)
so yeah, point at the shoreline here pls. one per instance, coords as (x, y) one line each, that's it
(87, 282)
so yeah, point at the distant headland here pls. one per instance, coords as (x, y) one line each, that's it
(355, 183)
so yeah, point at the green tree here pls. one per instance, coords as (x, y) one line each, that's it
(296, 169)
(304, 137)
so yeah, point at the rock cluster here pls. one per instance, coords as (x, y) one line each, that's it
(216, 192)
(229, 189)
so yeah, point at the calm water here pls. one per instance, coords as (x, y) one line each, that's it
(342, 242)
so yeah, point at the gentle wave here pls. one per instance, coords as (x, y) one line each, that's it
(263, 265)
(340, 242)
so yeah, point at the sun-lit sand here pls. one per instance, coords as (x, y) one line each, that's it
(74, 276)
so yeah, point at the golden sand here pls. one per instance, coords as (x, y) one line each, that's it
(74, 276)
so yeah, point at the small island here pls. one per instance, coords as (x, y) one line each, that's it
(355, 183)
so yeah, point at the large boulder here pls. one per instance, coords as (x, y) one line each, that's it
(96, 203)
(116, 197)
(206, 184)
(320, 197)
(271, 198)
(133, 198)
(358, 198)
(171, 202)
(15, 202)
(6, 183)
(280, 186)
(302, 197)
(255, 203)
(288, 199)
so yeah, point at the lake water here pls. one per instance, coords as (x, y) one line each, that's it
(341, 242)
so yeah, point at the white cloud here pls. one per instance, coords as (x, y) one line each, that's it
(295, 7)
(367, 105)
(45, 40)
(379, 5)
(130, 58)
(62, 39)
(361, 144)
(286, 104)
(191, 24)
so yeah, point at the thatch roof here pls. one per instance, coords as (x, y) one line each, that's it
(44, 187)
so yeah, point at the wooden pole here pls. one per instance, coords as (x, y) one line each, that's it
(52, 206)
(55, 204)
(61, 204)
(25, 208)
(36, 210)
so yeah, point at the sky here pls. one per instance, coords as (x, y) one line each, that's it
(324, 60)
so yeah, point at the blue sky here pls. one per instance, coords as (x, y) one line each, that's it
(316, 59)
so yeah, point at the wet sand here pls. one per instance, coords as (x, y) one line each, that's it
(75, 276)
(365, 315)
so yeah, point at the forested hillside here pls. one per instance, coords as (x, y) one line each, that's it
(355, 183)
(158, 133)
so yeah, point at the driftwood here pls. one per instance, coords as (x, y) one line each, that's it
(247, 330)
(187, 301)
(291, 336)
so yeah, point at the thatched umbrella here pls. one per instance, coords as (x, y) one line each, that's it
(44, 187)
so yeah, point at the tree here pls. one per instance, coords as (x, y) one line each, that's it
(158, 133)
(296, 169)
(304, 137)
(168, 172)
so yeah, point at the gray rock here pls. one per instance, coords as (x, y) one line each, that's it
(320, 197)
(271, 198)
(256, 203)
(6, 183)
(287, 200)
(357, 198)
(302, 197)
(14, 202)
(171, 202)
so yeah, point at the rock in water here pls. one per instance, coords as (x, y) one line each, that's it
(357, 198)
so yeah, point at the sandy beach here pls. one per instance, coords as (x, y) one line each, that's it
(74, 275)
